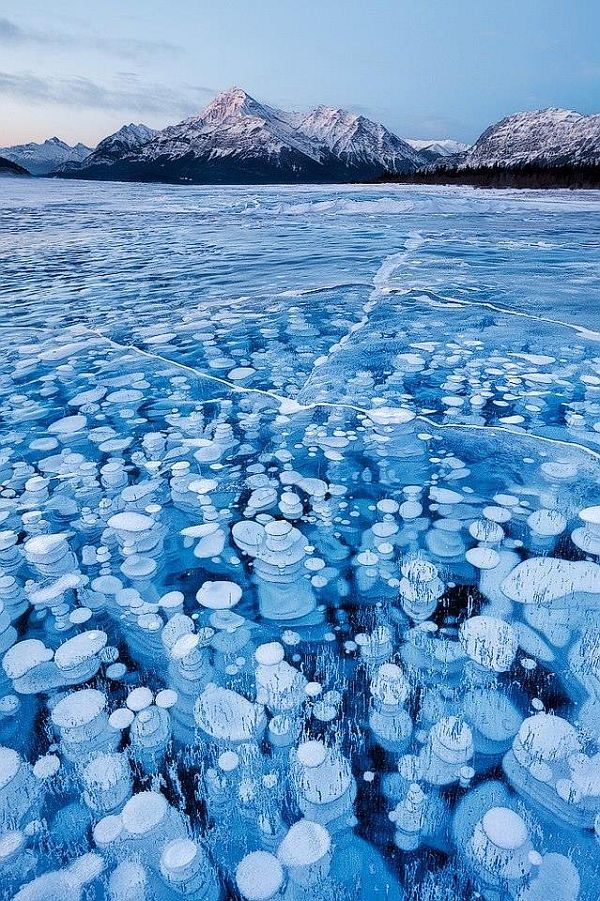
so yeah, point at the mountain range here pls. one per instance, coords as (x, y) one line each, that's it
(237, 139)
(543, 148)
(41, 159)
(549, 137)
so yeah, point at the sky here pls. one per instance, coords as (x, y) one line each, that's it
(425, 68)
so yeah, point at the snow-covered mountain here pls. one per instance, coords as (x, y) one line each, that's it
(544, 138)
(434, 149)
(233, 126)
(40, 159)
(126, 140)
(357, 141)
(238, 139)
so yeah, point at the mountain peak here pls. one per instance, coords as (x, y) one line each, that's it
(235, 93)
(357, 140)
(133, 134)
(126, 140)
(233, 102)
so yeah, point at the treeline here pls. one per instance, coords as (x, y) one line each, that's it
(528, 176)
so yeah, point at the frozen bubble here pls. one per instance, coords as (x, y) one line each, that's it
(228, 761)
(46, 548)
(312, 753)
(10, 763)
(25, 655)
(490, 642)
(11, 844)
(144, 812)
(505, 828)
(544, 737)
(305, 844)
(130, 522)
(79, 649)
(108, 830)
(259, 876)
(543, 580)
(269, 654)
(80, 615)
(78, 708)
(139, 699)
(177, 856)
(547, 522)
(483, 557)
(121, 718)
(68, 425)
(228, 716)
(166, 698)
(116, 671)
(391, 416)
(220, 595)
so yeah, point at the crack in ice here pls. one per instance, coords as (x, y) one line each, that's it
(289, 406)
(379, 290)
(435, 299)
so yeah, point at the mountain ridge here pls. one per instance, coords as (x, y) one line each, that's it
(238, 139)
(547, 138)
(545, 148)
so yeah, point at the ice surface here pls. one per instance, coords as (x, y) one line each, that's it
(299, 543)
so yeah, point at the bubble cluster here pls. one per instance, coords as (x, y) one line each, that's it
(301, 599)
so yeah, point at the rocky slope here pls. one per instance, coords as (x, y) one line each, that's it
(8, 168)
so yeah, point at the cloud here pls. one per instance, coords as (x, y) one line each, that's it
(125, 94)
(132, 48)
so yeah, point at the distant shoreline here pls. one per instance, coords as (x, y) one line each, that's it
(530, 178)
(583, 177)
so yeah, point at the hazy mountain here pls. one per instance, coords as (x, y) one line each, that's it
(429, 150)
(40, 159)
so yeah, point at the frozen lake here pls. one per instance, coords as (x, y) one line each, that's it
(299, 542)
